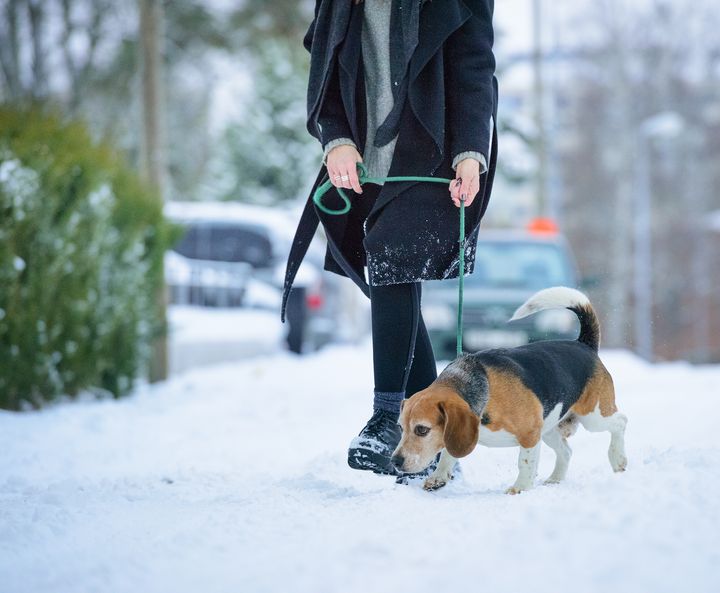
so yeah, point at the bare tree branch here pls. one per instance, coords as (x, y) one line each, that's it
(36, 15)
(65, 42)
(94, 32)
(10, 51)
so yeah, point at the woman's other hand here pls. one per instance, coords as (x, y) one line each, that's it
(466, 182)
(342, 160)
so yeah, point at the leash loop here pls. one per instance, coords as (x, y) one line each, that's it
(363, 178)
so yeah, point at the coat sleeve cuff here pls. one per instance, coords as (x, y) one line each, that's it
(471, 154)
(336, 142)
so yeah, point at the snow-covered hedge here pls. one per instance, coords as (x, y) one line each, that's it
(81, 246)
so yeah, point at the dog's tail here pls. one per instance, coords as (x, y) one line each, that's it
(567, 298)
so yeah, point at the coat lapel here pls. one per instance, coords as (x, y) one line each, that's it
(438, 20)
(330, 30)
(349, 60)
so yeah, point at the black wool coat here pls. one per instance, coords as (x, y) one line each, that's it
(411, 232)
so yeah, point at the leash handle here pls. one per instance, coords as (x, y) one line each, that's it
(363, 178)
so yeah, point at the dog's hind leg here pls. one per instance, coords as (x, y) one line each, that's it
(615, 424)
(558, 443)
(527, 466)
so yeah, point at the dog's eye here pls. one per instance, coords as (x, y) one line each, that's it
(421, 431)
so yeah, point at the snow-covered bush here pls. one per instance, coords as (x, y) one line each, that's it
(81, 246)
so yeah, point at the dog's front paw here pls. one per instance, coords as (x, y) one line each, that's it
(435, 482)
(515, 489)
(619, 464)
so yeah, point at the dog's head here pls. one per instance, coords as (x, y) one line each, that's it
(433, 419)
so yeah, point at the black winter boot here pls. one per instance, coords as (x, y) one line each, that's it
(374, 446)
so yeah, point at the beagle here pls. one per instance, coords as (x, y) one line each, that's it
(505, 397)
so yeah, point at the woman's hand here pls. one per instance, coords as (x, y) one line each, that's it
(466, 182)
(341, 161)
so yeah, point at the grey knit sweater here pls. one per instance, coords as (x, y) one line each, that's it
(375, 42)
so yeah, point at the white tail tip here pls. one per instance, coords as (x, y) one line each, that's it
(557, 297)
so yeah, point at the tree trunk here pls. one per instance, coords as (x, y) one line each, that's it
(153, 158)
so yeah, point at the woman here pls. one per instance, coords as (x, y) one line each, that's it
(406, 87)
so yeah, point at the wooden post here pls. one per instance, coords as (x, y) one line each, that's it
(153, 155)
(539, 93)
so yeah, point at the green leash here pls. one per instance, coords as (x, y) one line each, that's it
(363, 177)
(461, 278)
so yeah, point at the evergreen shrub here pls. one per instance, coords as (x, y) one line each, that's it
(81, 249)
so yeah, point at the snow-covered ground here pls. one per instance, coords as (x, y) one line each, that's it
(200, 336)
(233, 479)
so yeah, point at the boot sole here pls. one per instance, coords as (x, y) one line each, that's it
(369, 460)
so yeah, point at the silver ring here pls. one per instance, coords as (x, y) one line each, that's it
(344, 178)
(338, 178)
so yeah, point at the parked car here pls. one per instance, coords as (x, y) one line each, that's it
(207, 283)
(510, 265)
(230, 250)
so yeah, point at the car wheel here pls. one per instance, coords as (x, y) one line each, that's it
(296, 314)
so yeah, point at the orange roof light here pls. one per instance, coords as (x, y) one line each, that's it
(543, 226)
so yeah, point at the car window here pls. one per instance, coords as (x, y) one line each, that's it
(237, 244)
(195, 243)
(226, 242)
(522, 265)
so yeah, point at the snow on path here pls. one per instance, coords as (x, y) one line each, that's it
(202, 336)
(233, 479)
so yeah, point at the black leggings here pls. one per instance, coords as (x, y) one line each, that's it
(403, 359)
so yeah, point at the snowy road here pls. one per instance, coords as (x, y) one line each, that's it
(233, 479)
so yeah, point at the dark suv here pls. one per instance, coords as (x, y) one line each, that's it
(510, 266)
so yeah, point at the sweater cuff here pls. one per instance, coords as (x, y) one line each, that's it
(337, 142)
(471, 154)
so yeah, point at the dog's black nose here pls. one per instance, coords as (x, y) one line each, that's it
(397, 461)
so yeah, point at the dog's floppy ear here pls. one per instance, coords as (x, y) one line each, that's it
(461, 426)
